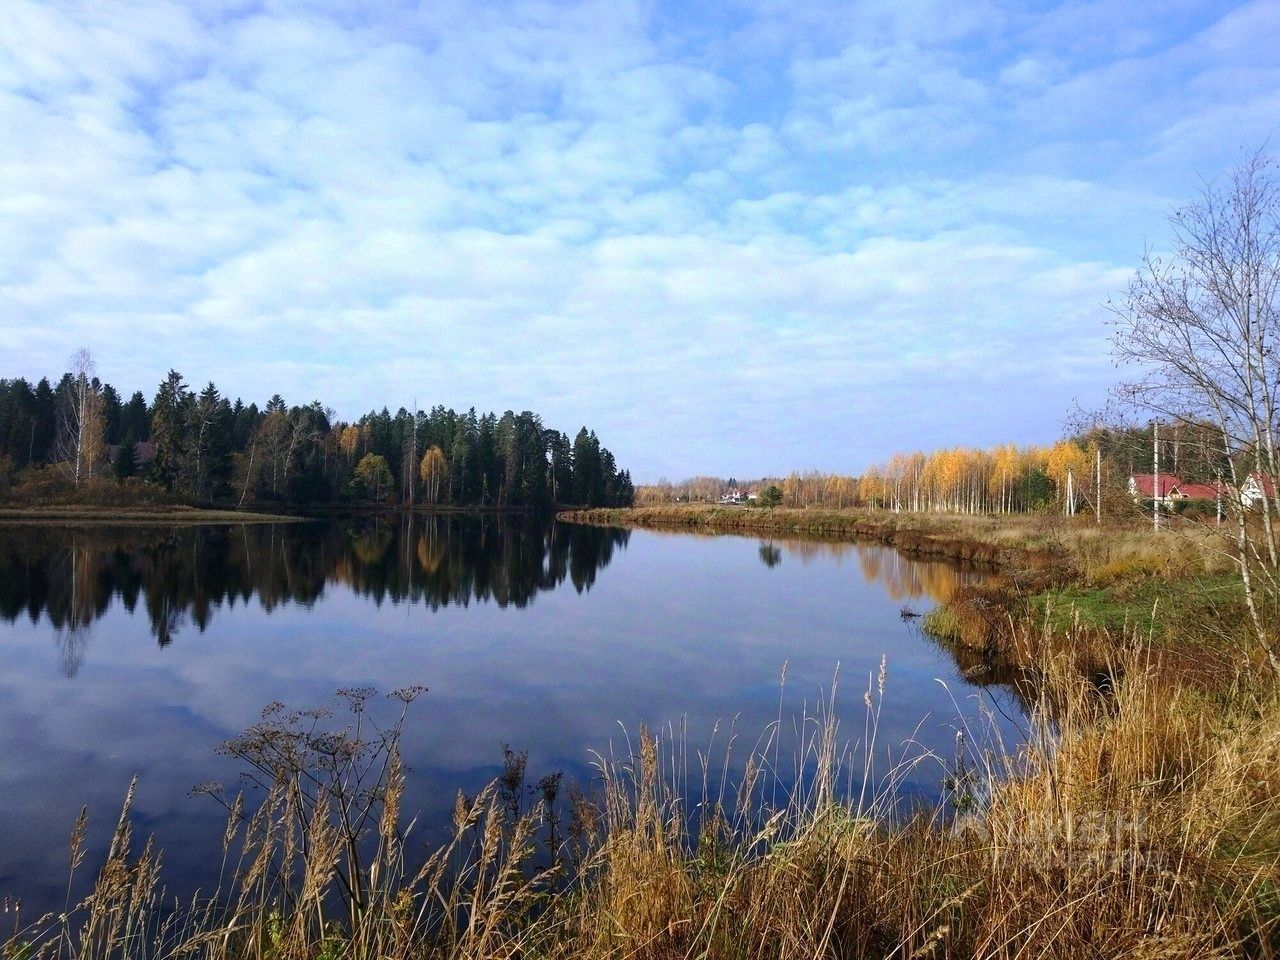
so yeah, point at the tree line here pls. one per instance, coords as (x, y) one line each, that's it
(203, 447)
(1003, 479)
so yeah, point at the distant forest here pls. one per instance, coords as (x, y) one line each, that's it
(199, 446)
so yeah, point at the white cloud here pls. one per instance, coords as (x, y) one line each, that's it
(875, 223)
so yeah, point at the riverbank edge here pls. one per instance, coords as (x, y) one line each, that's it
(159, 515)
(1067, 579)
(171, 514)
(973, 539)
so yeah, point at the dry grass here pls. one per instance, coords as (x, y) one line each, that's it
(168, 515)
(1065, 547)
(1139, 820)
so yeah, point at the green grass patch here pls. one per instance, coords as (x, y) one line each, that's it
(941, 623)
(1187, 606)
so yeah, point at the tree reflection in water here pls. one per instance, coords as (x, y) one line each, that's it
(71, 576)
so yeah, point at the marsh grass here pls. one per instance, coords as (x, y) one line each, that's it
(1140, 818)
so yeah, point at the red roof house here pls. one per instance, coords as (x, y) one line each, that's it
(1196, 491)
(1143, 485)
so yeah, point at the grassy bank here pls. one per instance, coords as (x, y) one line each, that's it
(154, 515)
(1022, 542)
(47, 498)
(913, 534)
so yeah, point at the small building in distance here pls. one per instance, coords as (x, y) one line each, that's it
(1255, 487)
(1198, 491)
(1142, 486)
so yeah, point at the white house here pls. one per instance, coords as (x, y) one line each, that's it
(1255, 488)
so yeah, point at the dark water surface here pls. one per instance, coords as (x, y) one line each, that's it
(138, 651)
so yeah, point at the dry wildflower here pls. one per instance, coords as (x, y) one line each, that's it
(407, 695)
(356, 697)
(514, 764)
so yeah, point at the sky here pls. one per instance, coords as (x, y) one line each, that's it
(736, 238)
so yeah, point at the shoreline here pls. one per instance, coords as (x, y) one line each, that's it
(186, 515)
(158, 515)
(996, 541)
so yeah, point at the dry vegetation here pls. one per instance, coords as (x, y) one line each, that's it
(48, 497)
(1017, 541)
(1132, 825)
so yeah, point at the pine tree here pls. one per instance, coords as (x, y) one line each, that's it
(126, 462)
(135, 419)
(169, 428)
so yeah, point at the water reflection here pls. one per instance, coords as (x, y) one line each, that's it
(69, 577)
(168, 642)
(903, 578)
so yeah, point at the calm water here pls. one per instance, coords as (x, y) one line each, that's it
(129, 652)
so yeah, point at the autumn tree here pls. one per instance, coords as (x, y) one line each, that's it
(272, 443)
(434, 473)
(349, 442)
(373, 477)
(1069, 466)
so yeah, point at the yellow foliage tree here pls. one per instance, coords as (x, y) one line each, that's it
(434, 472)
(349, 442)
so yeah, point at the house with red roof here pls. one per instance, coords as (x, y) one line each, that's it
(1198, 491)
(1142, 486)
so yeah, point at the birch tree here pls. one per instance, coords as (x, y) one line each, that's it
(80, 422)
(1201, 326)
(434, 472)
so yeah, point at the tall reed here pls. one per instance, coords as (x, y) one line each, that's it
(1136, 820)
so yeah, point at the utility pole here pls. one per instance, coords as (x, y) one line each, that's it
(1097, 489)
(1155, 499)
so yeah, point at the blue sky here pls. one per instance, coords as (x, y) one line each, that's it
(735, 238)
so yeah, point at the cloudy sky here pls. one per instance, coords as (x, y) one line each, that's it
(737, 237)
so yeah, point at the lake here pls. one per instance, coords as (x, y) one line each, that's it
(137, 651)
